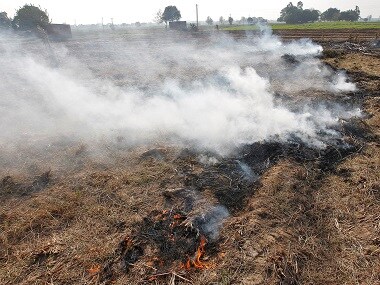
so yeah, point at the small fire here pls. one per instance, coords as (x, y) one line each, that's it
(177, 216)
(196, 261)
(94, 269)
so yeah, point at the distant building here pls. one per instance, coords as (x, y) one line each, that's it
(59, 32)
(178, 25)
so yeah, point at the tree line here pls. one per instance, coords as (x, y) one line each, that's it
(292, 14)
(243, 20)
(30, 17)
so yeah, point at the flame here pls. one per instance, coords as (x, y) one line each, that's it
(196, 262)
(128, 242)
(200, 251)
(95, 269)
(177, 216)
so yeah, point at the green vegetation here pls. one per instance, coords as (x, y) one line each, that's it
(5, 22)
(171, 13)
(297, 15)
(30, 17)
(310, 26)
(292, 14)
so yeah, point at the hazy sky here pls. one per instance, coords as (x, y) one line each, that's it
(86, 12)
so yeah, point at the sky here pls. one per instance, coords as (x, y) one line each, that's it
(92, 12)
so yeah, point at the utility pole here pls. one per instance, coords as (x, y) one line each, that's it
(196, 8)
(102, 24)
(112, 26)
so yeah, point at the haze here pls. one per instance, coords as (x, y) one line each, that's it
(91, 12)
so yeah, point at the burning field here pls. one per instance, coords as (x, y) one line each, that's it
(168, 158)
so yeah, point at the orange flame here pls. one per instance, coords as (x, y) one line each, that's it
(95, 269)
(200, 252)
(196, 261)
(177, 216)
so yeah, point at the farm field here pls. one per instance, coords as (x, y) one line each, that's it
(311, 26)
(320, 32)
(177, 158)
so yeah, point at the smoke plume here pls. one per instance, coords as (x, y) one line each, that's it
(214, 93)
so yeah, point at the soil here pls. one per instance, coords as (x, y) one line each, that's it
(325, 35)
(296, 216)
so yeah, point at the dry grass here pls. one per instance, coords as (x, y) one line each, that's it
(56, 235)
(300, 226)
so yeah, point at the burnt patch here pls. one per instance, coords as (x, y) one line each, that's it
(261, 155)
(229, 182)
(40, 182)
(130, 253)
(168, 232)
(164, 241)
(8, 186)
(41, 257)
(332, 53)
(290, 59)
(359, 130)
(232, 180)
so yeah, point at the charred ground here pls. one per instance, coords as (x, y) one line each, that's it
(273, 213)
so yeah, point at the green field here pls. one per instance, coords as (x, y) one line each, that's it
(310, 26)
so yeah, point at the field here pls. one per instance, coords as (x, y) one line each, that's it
(311, 26)
(320, 32)
(176, 158)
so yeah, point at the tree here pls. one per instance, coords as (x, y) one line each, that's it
(349, 15)
(221, 20)
(260, 20)
(158, 17)
(171, 13)
(30, 17)
(286, 12)
(243, 20)
(250, 20)
(297, 15)
(357, 10)
(310, 15)
(230, 20)
(5, 22)
(331, 14)
(209, 21)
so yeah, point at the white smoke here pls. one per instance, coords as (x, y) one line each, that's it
(214, 94)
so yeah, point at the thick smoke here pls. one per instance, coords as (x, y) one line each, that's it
(212, 93)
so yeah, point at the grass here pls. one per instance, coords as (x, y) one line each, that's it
(310, 26)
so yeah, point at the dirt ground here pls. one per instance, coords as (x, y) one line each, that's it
(131, 219)
(325, 36)
(331, 35)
